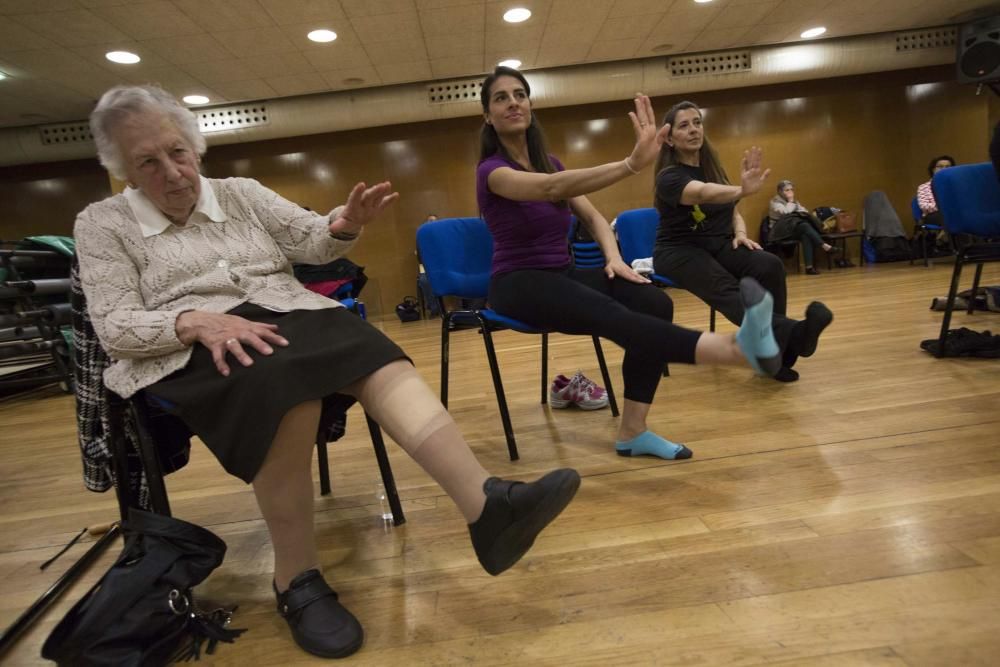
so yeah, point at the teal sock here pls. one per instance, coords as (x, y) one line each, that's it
(755, 337)
(649, 443)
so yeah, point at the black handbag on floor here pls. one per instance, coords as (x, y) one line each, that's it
(142, 612)
(408, 310)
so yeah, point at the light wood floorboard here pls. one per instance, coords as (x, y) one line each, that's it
(851, 518)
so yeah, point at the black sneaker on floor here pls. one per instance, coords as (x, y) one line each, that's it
(515, 513)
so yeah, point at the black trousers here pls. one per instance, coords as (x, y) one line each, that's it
(638, 317)
(710, 268)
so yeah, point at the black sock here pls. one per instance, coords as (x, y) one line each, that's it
(818, 317)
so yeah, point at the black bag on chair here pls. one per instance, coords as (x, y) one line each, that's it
(142, 612)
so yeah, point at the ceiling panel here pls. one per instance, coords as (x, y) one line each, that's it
(241, 50)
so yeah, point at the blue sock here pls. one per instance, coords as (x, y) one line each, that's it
(648, 442)
(755, 336)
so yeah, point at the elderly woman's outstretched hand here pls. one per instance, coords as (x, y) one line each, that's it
(648, 139)
(363, 204)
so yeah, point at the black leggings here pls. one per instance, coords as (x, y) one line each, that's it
(710, 268)
(584, 302)
(807, 235)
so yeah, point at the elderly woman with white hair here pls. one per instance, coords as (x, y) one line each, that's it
(791, 221)
(190, 289)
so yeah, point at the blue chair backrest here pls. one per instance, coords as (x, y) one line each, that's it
(636, 230)
(457, 254)
(915, 210)
(968, 197)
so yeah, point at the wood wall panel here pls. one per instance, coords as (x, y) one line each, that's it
(838, 139)
(45, 198)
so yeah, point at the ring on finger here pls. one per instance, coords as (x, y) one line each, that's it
(231, 341)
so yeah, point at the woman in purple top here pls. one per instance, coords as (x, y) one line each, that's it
(526, 197)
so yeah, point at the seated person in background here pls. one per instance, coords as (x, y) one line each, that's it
(790, 220)
(702, 243)
(185, 275)
(925, 196)
(527, 198)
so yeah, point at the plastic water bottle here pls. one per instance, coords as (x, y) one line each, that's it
(383, 503)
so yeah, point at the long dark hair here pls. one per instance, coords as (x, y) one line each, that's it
(489, 142)
(930, 167)
(709, 159)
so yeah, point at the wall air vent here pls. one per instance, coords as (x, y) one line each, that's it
(930, 38)
(236, 117)
(726, 62)
(65, 133)
(444, 92)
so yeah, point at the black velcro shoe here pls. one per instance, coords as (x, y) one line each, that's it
(515, 513)
(319, 623)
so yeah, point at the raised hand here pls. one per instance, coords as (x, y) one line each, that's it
(648, 139)
(363, 205)
(752, 172)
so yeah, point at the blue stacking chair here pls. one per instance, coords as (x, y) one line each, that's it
(636, 229)
(968, 197)
(457, 254)
(922, 231)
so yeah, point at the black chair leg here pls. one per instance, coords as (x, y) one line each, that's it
(491, 354)
(952, 293)
(445, 351)
(119, 457)
(606, 376)
(975, 288)
(545, 368)
(388, 481)
(324, 468)
(150, 461)
(711, 318)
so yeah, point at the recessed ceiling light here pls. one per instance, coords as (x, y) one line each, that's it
(322, 35)
(813, 32)
(513, 64)
(196, 99)
(517, 15)
(122, 57)
(702, 1)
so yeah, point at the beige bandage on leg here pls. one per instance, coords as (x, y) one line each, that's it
(401, 402)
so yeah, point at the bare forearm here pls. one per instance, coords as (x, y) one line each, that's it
(564, 185)
(711, 193)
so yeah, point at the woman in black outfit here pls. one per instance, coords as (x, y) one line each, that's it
(702, 243)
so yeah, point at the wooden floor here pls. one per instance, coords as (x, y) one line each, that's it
(851, 518)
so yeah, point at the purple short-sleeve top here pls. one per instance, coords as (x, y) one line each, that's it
(526, 234)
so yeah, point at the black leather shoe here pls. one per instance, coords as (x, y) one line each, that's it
(319, 623)
(515, 513)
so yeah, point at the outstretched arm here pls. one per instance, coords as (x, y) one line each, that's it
(532, 186)
(752, 177)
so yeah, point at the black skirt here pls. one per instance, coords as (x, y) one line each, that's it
(237, 417)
